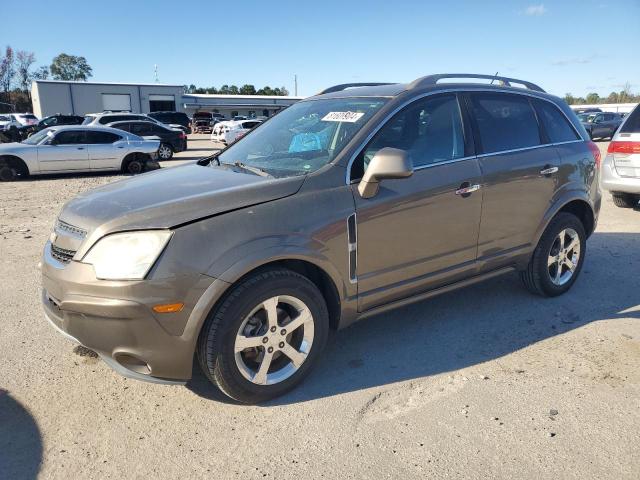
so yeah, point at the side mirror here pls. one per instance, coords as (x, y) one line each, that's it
(388, 163)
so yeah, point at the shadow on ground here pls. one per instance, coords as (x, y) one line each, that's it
(20, 441)
(469, 326)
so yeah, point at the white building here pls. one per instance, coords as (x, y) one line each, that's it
(52, 96)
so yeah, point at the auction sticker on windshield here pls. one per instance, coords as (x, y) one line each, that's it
(350, 117)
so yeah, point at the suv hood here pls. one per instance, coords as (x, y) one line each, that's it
(170, 197)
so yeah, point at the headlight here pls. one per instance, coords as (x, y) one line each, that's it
(126, 256)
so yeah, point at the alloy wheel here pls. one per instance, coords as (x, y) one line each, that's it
(564, 256)
(274, 340)
(164, 152)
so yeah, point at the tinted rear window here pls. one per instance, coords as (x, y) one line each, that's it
(505, 122)
(102, 137)
(555, 123)
(632, 123)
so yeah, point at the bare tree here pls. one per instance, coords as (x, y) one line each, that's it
(24, 61)
(7, 69)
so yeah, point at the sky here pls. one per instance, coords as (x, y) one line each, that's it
(568, 46)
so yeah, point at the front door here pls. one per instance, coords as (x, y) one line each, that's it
(420, 232)
(66, 151)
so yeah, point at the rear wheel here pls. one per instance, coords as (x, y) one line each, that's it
(557, 260)
(165, 152)
(265, 336)
(134, 167)
(625, 200)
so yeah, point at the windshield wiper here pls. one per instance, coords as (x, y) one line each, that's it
(254, 170)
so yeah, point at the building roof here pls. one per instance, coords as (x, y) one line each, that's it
(76, 82)
(251, 97)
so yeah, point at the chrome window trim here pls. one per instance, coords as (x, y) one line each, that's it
(457, 90)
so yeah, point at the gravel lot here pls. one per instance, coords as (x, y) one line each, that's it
(485, 382)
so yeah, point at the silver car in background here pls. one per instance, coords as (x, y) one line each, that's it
(76, 148)
(621, 166)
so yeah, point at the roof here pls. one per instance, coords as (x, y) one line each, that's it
(76, 82)
(430, 82)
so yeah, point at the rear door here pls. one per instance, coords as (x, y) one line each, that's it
(105, 150)
(419, 232)
(519, 170)
(66, 151)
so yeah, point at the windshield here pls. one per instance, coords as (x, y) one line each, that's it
(304, 137)
(36, 138)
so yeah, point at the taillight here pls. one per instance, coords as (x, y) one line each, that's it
(595, 151)
(626, 148)
(183, 135)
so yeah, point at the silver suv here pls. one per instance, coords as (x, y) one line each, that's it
(621, 166)
(360, 199)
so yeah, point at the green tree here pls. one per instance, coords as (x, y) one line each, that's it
(593, 98)
(247, 89)
(570, 99)
(70, 67)
(41, 73)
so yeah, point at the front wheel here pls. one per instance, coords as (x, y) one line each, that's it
(265, 336)
(8, 173)
(557, 260)
(165, 152)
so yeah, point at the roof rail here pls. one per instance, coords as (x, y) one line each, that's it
(344, 86)
(433, 79)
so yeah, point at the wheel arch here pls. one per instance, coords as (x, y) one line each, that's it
(575, 203)
(143, 157)
(16, 162)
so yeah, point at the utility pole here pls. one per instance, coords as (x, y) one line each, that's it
(295, 83)
(155, 72)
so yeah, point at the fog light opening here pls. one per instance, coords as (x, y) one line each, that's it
(133, 363)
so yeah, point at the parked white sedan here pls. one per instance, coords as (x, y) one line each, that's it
(228, 132)
(76, 148)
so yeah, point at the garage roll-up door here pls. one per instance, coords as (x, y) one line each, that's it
(116, 101)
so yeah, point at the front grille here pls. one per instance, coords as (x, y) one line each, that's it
(65, 227)
(61, 254)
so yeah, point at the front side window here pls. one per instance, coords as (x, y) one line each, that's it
(505, 122)
(304, 137)
(555, 123)
(70, 137)
(429, 130)
(50, 122)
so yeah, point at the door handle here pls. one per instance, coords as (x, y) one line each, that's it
(547, 170)
(80, 148)
(465, 189)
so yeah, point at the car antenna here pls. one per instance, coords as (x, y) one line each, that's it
(494, 77)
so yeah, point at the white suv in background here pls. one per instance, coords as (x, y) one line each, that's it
(104, 118)
(229, 132)
(621, 166)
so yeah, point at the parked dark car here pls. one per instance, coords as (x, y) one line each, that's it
(586, 110)
(56, 120)
(600, 124)
(173, 118)
(171, 140)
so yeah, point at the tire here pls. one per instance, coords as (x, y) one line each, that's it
(134, 167)
(539, 275)
(625, 200)
(241, 314)
(8, 173)
(165, 152)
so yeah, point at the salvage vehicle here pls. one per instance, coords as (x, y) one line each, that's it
(202, 122)
(229, 132)
(173, 118)
(621, 166)
(77, 149)
(352, 202)
(171, 140)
